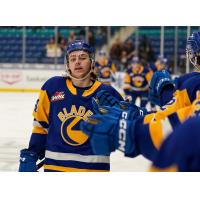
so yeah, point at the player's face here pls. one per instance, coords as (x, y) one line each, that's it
(102, 60)
(79, 63)
(157, 63)
(135, 66)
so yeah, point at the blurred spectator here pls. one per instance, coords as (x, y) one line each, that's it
(91, 38)
(182, 63)
(127, 53)
(53, 50)
(71, 37)
(124, 60)
(129, 47)
(145, 51)
(59, 37)
(115, 53)
(63, 45)
(82, 33)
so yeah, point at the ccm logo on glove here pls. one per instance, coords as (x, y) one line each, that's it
(122, 131)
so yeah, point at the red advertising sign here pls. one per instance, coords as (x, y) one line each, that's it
(10, 77)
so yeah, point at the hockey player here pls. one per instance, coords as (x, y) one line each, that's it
(160, 64)
(145, 133)
(105, 68)
(163, 89)
(63, 103)
(136, 82)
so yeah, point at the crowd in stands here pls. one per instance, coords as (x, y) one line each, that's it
(43, 47)
(57, 44)
(121, 53)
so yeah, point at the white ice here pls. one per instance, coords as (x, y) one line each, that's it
(16, 126)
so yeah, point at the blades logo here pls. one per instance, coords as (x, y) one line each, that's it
(58, 96)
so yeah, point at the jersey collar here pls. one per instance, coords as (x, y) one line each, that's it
(87, 92)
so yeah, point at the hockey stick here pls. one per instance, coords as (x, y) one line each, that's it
(40, 164)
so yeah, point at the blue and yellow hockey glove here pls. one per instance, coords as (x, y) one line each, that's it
(158, 81)
(28, 161)
(108, 133)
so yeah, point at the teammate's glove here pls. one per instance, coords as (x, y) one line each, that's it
(132, 110)
(104, 98)
(108, 133)
(118, 106)
(28, 161)
(158, 81)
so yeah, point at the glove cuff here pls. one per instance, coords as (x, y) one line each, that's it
(127, 138)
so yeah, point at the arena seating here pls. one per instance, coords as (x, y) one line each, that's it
(153, 34)
(11, 42)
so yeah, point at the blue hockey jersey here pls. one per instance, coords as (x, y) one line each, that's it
(56, 133)
(137, 80)
(106, 71)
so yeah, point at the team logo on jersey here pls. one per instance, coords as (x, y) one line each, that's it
(137, 81)
(58, 96)
(70, 128)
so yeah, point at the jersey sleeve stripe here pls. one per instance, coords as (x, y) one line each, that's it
(43, 107)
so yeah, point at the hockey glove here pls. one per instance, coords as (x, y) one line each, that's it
(108, 133)
(28, 161)
(158, 81)
(104, 98)
(132, 111)
(118, 108)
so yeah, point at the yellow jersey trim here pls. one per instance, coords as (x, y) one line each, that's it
(92, 89)
(156, 133)
(70, 86)
(70, 169)
(39, 130)
(73, 90)
(43, 107)
(168, 169)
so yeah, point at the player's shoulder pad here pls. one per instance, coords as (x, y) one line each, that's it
(53, 83)
(182, 79)
(192, 86)
(145, 69)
